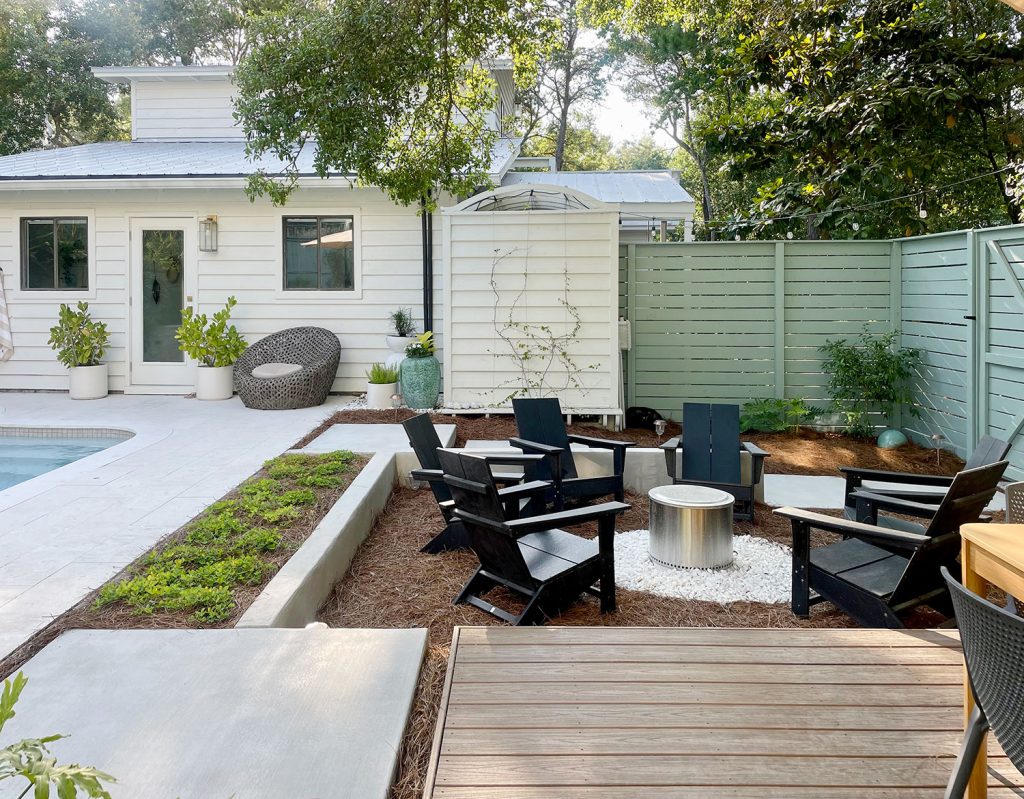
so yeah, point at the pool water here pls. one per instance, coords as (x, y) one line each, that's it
(24, 456)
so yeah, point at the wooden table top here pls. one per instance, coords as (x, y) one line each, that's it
(1006, 541)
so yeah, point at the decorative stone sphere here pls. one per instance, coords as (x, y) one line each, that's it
(891, 439)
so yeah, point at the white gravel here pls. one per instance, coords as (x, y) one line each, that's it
(760, 572)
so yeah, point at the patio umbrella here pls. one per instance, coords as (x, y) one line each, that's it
(6, 340)
(332, 241)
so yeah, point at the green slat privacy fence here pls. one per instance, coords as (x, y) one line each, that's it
(734, 321)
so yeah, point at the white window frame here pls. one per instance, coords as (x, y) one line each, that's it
(14, 289)
(319, 296)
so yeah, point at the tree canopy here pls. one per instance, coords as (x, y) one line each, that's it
(839, 118)
(396, 94)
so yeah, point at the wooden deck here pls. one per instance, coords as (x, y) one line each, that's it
(660, 713)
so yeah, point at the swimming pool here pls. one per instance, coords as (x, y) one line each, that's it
(27, 452)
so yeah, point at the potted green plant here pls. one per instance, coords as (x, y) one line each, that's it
(382, 385)
(404, 327)
(216, 346)
(80, 342)
(420, 373)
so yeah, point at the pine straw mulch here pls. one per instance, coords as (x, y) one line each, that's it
(809, 452)
(391, 584)
(119, 616)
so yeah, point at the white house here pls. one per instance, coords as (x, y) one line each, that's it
(140, 229)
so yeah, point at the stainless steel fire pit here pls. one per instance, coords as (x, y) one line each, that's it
(691, 527)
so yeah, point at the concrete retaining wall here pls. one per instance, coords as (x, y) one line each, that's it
(293, 596)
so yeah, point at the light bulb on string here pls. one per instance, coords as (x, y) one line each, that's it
(855, 226)
(789, 235)
(923, 213)
(737, 237)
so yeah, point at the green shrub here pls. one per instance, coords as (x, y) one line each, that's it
(402, 322)
(776, 415)
(231, 545)
(211, 342)
(869, 375)
(76, 338)
(379, 374)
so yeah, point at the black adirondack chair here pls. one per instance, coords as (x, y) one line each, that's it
(988, 450)
(549, 567)
(426, 444)
(542, 431)
(881, 571)
(708, 454)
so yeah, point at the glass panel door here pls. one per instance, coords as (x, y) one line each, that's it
(162, 283)
(163, 294)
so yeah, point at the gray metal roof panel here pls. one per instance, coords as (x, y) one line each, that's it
(170, 159)
(612, 187)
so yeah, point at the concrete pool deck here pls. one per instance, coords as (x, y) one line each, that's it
(65, 533)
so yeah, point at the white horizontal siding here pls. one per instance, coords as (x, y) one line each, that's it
(522, 267)
(184, 109)
(247, 265)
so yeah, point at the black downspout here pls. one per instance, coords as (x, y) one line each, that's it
(427, 225)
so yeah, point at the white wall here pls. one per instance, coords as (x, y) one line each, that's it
(544, 250)
(186, 109)
(246, 265)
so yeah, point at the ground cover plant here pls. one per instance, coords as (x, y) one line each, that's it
(234, 544)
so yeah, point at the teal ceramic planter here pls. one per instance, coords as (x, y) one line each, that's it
(420, 381)
(891, 439)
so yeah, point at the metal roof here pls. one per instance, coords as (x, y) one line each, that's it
(170, 159)
(640, 187)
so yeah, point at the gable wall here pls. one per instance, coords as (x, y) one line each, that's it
(246, 265)
(184, 109)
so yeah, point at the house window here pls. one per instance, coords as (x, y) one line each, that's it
(318, 253)
(54, 254)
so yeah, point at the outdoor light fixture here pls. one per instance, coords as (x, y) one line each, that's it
(208, 234)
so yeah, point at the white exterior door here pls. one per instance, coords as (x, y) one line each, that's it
(163, 257)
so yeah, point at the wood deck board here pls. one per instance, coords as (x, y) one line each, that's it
(596, 713)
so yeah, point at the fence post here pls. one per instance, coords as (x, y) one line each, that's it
(631, 356)
(974, 339)
(780, 320)
(896, 310)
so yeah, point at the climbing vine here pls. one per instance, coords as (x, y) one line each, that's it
(541, 353)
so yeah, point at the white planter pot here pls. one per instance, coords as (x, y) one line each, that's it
(88, 382)
(397, 345)
(378, 395)
(215, 382)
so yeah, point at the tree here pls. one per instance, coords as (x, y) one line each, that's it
(873, 101)
(644, 153)
(677, 72)
(405, 111)
(847, 113)
(585, 148)
(170, 31)
(569, 76)
(48, 96)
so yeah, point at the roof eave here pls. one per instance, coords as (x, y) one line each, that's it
(62, 183)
